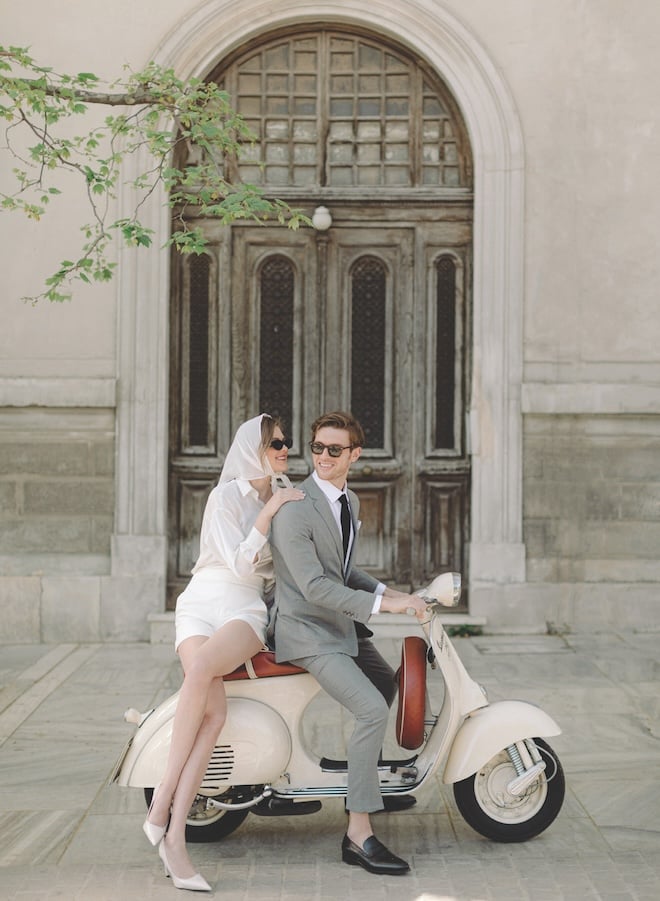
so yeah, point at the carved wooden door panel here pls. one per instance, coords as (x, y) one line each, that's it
(368, 316)
(396, 355)
(368, 356)
(244, 327)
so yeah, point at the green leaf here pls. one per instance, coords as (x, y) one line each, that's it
(40, 100)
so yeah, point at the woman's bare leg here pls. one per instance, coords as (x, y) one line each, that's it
(200, 715)
(184, 732)
(190, 779)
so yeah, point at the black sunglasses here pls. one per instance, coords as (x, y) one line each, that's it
(335, 450)
(278, 443)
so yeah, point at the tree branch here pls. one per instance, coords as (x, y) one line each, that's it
(142, 97)
(164, 112)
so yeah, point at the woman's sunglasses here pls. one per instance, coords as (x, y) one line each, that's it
(278, 443)
(334, 450)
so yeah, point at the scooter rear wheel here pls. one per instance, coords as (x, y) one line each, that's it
(491, 811)
(207, 823)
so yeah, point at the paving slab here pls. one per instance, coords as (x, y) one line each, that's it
(65, 833)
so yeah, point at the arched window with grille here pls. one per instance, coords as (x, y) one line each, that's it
(276, 337)
(370, 358)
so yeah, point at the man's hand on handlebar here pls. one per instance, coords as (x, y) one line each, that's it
(398, 602)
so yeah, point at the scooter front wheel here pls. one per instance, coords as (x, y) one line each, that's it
(493, 812)
(207, 823)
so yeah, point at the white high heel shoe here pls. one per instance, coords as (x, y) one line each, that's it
(195, 883)
(153, 832)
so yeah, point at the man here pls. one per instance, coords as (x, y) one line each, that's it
(320, 598)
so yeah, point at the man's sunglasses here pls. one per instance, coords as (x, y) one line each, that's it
(334, 450)
(278, 443)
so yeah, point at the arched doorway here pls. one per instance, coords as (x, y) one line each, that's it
(372, 314)
(192, 47)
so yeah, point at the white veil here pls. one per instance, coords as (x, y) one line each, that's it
(244, 460)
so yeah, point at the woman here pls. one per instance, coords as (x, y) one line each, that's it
(221, 622)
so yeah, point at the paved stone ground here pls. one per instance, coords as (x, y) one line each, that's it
(66, 834)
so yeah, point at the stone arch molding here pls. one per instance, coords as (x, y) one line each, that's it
(495, 422)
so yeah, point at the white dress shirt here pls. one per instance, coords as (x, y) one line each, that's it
(228, 539)
(333, 494)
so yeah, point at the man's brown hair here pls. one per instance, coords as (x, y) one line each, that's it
(338, 419)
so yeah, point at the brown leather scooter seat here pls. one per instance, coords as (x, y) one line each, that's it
(262, 666)
(411, 678)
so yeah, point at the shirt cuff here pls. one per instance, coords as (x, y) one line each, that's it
(376, 607)
(254, 541)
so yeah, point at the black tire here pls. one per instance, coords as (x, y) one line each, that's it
(207, 823)
(505, 818)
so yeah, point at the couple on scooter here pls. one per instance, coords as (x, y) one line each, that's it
(321, 607)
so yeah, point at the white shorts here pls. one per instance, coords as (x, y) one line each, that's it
(214, 598)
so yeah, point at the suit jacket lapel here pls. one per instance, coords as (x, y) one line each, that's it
(322, 506)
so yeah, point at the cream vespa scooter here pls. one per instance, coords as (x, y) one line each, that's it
(508, 782)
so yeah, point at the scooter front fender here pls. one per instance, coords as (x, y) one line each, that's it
(490, 729)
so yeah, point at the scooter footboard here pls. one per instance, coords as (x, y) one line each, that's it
(490, 729)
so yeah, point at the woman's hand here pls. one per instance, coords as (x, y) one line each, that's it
(283, 496)
(280, 497)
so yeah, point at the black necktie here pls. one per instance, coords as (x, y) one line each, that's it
(345, 523)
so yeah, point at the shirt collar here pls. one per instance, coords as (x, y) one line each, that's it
(331, 491)
(245, 487)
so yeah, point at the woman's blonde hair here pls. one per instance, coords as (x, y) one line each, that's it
(268, 425)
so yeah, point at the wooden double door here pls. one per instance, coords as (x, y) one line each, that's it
(371, 315)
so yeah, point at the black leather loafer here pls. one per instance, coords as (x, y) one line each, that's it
(373, 856)
(392, 803)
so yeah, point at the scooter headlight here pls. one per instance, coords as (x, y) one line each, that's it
(445, 589)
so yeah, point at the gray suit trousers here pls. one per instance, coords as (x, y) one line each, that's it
(377, 669)
(341, 677)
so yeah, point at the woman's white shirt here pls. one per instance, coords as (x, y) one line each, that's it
(228, 539)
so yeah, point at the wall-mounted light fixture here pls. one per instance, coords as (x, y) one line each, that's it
(321, 220)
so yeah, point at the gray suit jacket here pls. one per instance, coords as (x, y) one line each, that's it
(315, 606)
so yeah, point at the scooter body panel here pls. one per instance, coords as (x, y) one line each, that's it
(255, 747)
(490, 729)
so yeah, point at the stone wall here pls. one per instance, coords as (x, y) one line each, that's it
(56, 481)
(56, 520)
(591, 498)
